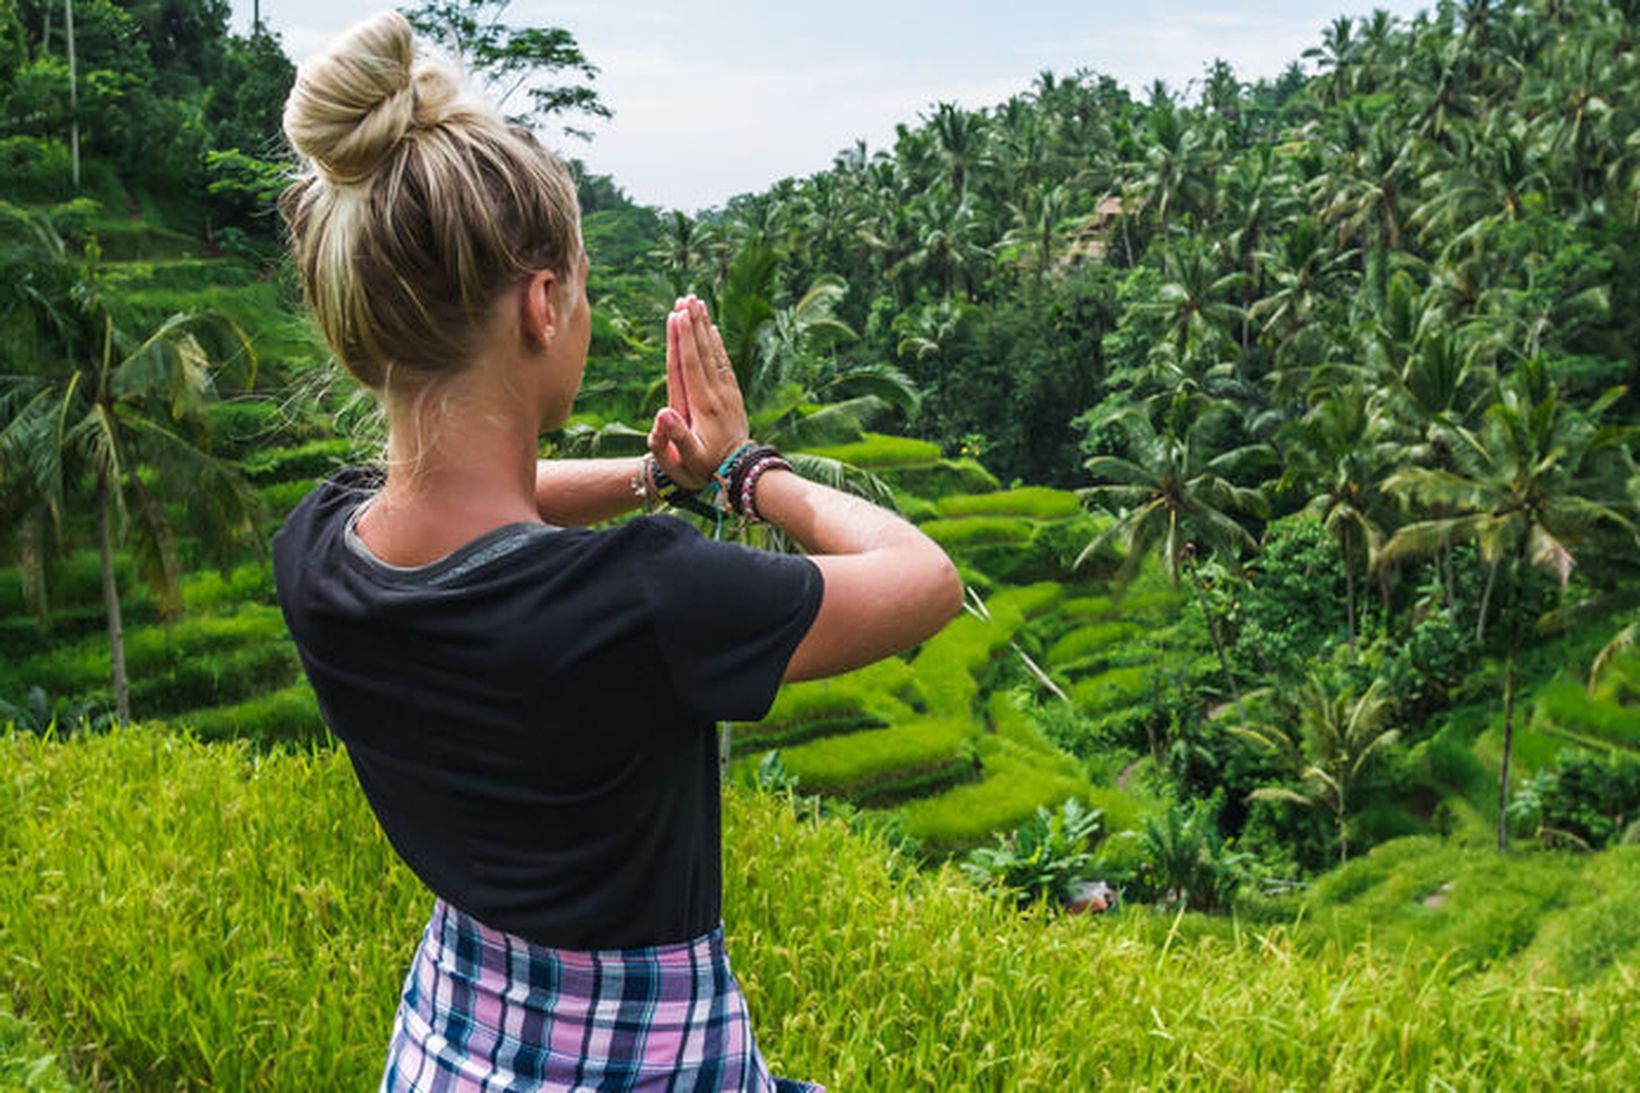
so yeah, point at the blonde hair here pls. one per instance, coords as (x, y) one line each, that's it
(419, 205)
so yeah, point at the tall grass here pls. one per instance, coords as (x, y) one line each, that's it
(25, 1065)
(186, 916)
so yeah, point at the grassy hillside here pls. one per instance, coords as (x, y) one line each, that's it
(182, 915)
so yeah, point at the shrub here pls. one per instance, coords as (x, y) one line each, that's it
(1068, 727)
(35, 169)
(1185, 860)
(36, 712)
(76, 581)
(190, 645)
(1046, 858)
(215, 679)
(1293, 606)
(1580, 800)
(1123, 809)
(1007, 713)
(251, 583)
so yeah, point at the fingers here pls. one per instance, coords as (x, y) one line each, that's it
(677, 391)
(695, 371)
(678, 450)
(723, 367)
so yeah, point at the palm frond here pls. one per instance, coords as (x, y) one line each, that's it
(1624, 641)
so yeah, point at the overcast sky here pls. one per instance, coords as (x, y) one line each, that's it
(722, 97)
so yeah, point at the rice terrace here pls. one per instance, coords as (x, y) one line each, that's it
(1282, 431)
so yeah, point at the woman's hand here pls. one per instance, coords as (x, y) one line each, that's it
(704, 420)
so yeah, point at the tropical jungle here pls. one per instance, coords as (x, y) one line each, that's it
(1283, 433)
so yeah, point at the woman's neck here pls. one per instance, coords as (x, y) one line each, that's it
(461, 462)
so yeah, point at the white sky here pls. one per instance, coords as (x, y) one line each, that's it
(721, 97)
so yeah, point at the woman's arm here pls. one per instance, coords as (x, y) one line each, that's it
(887, 585)
(580, 492)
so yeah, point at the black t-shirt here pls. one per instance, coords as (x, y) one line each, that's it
(532, 716)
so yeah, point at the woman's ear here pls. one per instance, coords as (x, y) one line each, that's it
(539, 308)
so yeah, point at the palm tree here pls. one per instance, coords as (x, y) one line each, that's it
(1571, 106)
(684, 251)
(1539, 484)
(1335, 58)
(1487, 182)
(1336, 455)
(1307, 273)
(1339, 737)
(960, 138)
(1363, 194)
(1197, 299)
(798, 391)
(1173, 496)
(1039, 223)
(125, 414)
(1173, 173)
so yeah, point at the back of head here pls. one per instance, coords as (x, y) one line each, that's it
(419, 205)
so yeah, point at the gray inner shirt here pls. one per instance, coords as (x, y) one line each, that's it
(493, 544)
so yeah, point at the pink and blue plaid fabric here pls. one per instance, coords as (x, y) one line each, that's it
(485, 1011)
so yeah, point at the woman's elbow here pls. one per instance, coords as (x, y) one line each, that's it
(947, 596)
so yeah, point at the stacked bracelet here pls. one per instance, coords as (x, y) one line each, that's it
(768, 460)
(730, 490)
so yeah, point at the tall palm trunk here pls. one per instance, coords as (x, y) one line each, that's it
(1343, 825)
(111, 603)
(1218, 645)
(1349, 595)
(1486, 602)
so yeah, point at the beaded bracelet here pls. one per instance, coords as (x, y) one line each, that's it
(748, 460)
(748, 502)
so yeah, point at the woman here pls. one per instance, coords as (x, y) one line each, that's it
(529, 705)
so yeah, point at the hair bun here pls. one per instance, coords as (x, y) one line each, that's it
(354, 102)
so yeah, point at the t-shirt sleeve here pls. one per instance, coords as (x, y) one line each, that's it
(727, 618)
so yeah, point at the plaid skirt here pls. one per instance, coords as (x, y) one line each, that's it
(487, 1011)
